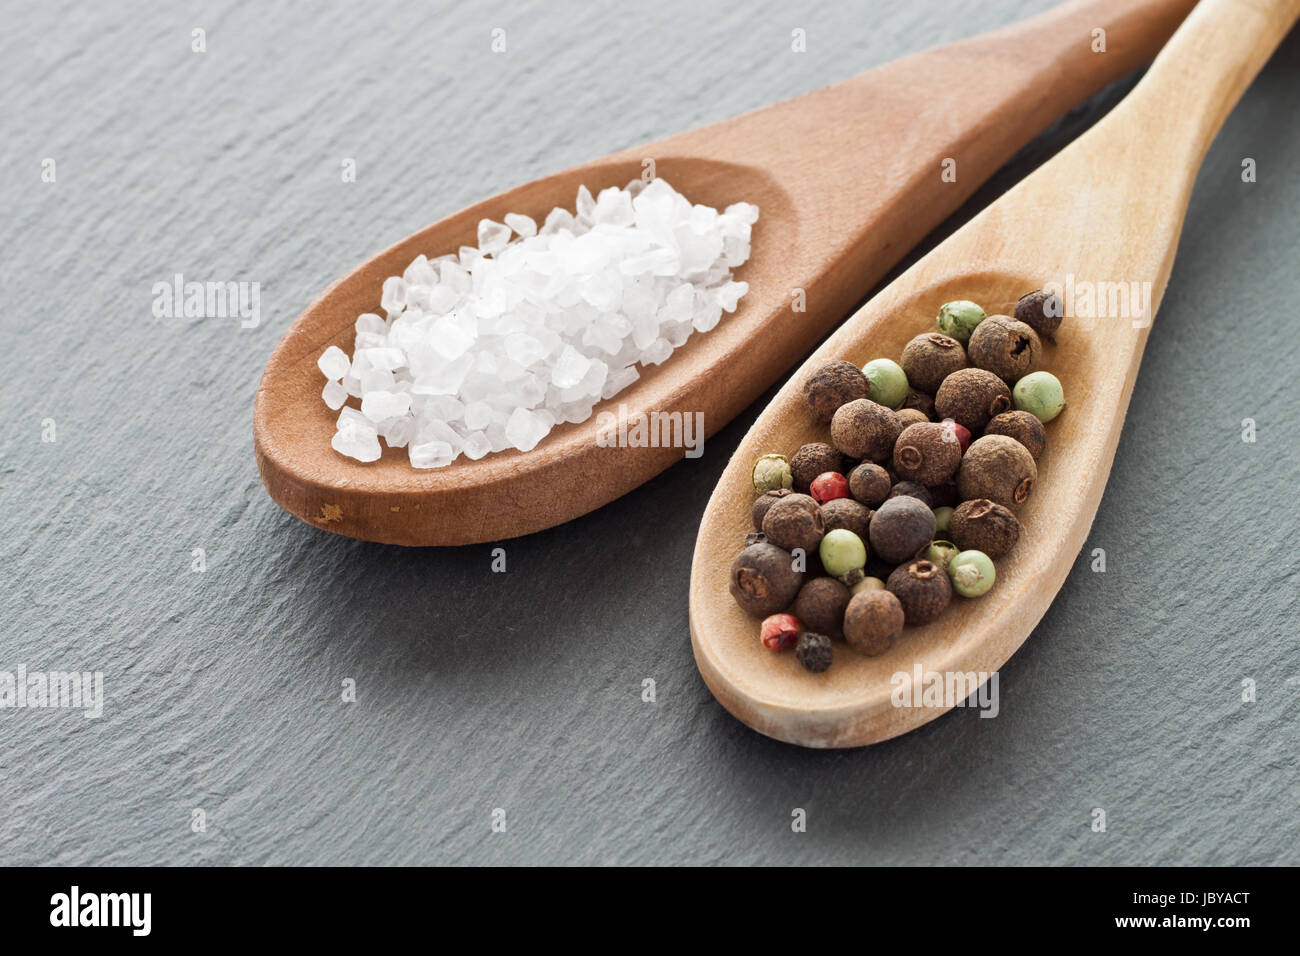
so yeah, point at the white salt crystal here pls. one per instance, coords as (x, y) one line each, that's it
(355, 442)
(657, 353)
(523, 225)
(434, 454)
(369, 322)
(478, 415)
(618, 380)
(381, 405)
(570, 368)
(393, 299)
(525, 429)
(334, 363)
(492, 236)
(729, 295)
(335, 395)
(476, 446)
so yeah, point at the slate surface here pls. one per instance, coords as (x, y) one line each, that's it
(522, 690)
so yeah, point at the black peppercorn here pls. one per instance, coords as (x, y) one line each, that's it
(983, 525)
(1041, 311)
(1005, 347)
(795, 521)
(971, 397)
(1024, 427)
(820, 605)
(928, 452)
(901, 528)
(998, 468)
(873, 621)
(834, 384)
(865, 429)
(869, 483)
(763, 579)
(923, 588)
(814, 652)
(930, 358)
(912, 489)
(811, 460)
(763, 502)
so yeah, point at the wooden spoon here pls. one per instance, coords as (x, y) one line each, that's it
(847, 179)
(1109, 208)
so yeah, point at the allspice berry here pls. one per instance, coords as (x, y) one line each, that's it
(912, 489)
(1005, 347)
(834, 384)
(1024, 427)
(873, 621)
(847, 514)
(901, 528)
(996, 467)
(811, 460)
(763, 579)
(867, 429)
(911, 416)
(920, 401)
(983, 525)
(930, 358)
(922, 588)
(763, 502)
(927, 452)
(972, 396)
(1041, 311)
(869, 483)
(795, 522)
(820, 606)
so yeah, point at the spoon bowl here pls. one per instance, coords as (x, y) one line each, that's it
(846, 178)
(1101, 218)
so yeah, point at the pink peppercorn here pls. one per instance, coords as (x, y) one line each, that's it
(780, 632)
(961, 431)
(828, 486)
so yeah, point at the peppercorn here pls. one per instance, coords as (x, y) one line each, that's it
(828, 487)
(971, 573)
(851, 577)
(901, 528)
(888, 382)
(911, 416)
(912, 489)
(1005, 347)
(780, 632)
(763, 502)
(930, 358)
(942, 516)
(961, 432)
(922, 588)
(842, 551)
(920, 401)
(847, 514)
(867, 584)
(867, 429)
(1040, 394)
(1042, 312)
(939, 552)
(998, 468)
(1024, 427)
(771, 471)
(811, 460)
(820, 605)
(972, 396)
(763, 579)
(869, 483)
(814, 652)
(794, 522)
(983, 525)
(928, 452)
(959, 319)
(873, 621)
(834, 384)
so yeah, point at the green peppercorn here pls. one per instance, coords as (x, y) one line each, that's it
(941, 518)
(771, 472)
(1040, 394)
(958, 319)
(941, 553)
(867, 584)
(972, 573)
(888, 382)
(842, 551)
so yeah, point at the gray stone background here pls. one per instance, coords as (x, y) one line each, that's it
(522, 691)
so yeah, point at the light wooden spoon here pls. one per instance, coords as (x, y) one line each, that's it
(1109, 208)
(847, 179)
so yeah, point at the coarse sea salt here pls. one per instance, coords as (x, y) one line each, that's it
(492, 347)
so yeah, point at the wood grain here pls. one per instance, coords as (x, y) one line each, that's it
(1109, 208)
(847, 180)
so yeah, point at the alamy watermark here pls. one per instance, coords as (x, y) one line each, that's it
(946, 689)
(79, 690)
(179, 299)
(1087, 299)
(628, 429)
